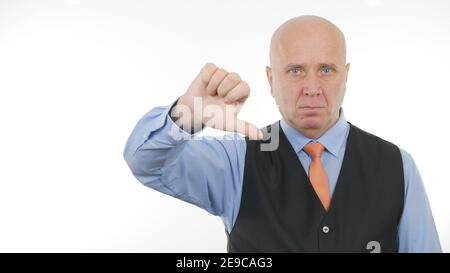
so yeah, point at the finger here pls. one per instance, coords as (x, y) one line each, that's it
(239, 93)
(215, 81)
(207, 72)
(230, 81)
(248, 129)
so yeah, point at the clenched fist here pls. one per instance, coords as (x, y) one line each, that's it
(214, 99)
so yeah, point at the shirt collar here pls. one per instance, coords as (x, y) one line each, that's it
(332, 139)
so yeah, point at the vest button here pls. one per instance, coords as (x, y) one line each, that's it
(325, 229)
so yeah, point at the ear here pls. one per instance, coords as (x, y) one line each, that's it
(347, 68)
(269, 77)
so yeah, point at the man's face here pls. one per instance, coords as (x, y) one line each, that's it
(308, 78)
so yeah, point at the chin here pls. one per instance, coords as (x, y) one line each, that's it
(309, 122)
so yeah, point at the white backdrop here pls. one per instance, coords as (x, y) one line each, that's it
(75, 77)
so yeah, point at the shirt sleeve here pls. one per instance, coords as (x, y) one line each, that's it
(203, 171)
(417, 231)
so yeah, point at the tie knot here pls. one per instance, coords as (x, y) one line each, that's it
(314, 149)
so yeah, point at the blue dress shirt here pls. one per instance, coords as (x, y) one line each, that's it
(209, 172)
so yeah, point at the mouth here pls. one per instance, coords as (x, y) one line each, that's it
(308, 111)
(310, 107)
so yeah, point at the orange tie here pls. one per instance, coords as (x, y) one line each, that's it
(317, 174)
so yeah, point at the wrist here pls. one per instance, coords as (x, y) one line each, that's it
(183, 117)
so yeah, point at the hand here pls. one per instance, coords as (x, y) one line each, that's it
(214, 99)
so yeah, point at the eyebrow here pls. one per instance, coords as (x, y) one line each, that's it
(293, 65)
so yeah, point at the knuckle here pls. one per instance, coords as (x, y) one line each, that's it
(207, 71)
(221, 72)
(218, 76)
(234, 77)
(209, 67)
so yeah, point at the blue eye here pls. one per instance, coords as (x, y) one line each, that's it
(295, 71)
(327, 70)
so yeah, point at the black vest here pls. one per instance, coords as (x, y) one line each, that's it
(280, 211)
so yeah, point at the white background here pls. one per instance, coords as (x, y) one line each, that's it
(75, 77)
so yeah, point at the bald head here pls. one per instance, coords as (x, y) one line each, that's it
(309, 32)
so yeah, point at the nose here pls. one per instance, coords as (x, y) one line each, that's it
(312, 86)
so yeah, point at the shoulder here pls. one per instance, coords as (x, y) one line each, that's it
(373, 143)
(370, 138)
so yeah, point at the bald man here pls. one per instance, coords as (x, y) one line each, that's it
(311, 182)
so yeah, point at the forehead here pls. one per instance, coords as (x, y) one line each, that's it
(308, 45)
